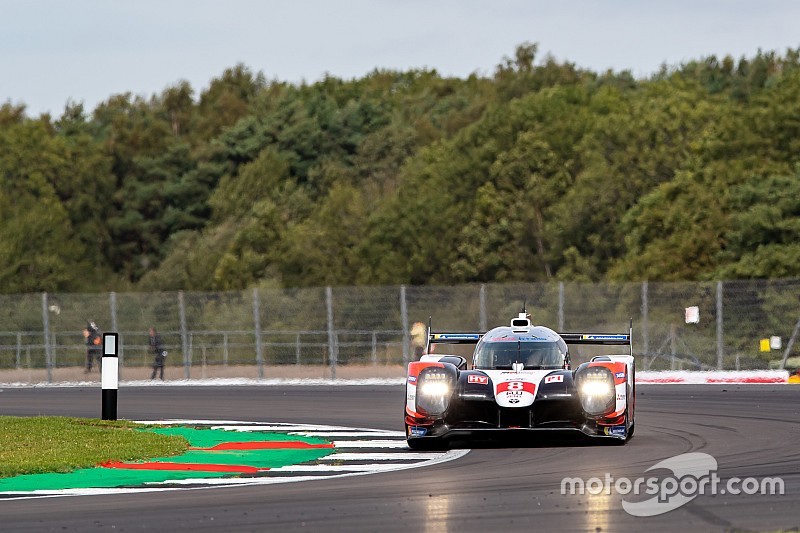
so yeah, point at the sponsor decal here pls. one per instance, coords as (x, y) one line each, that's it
(516, 387)
(515, 338)
(619, 375)
(616, 431)
(457, 336)
(416, 431)
(604, 337)
(620, 397)
(412, 379)
(513, 400)
(554, 379)
(474, 378)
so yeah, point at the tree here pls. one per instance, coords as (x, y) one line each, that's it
(763, 237)
(227, 100)
(38, 250)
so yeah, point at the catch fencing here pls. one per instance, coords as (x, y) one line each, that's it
(335, 328)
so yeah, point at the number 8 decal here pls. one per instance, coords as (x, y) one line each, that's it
(515, 385)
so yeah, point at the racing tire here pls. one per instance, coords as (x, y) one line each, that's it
(629, 432)
(416, 444)
(426, 444)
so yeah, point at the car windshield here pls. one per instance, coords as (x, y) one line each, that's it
(535, 355)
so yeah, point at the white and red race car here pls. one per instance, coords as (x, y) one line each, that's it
(520, 381)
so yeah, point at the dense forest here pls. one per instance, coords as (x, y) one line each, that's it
(540, 170)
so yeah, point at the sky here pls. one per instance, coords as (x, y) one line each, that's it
(55, 51)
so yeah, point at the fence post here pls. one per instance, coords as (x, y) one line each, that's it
(19, 350)
(404, 320)
(112, 303)
(187, 363)
(374, 348)
(645, 323)
(297, 349)
(673, 345)
(560, 306)
(720, 341)
(790, 344)
(332, 355)
(46, 324)
(482, 319)
(257, 326)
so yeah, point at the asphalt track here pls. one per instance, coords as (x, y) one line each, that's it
(751, 430)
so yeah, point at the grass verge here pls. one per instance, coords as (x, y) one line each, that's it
(36, 445)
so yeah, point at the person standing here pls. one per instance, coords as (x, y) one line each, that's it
(158, 352)
(93, 344)
(419, 338)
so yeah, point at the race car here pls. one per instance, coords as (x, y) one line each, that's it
(520, 382)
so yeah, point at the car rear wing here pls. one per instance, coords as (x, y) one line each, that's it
(604, 339)
(597, 339)
(450, 338)
(454, 338)
(601, 339)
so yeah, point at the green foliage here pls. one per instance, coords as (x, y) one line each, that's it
(539, 171)
(38, 245)
(763, 237)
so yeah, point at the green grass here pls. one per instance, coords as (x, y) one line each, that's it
(36, 445)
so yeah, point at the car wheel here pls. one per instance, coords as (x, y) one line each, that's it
(632, 417)
(426, 444)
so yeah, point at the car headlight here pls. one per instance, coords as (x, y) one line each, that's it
(596, 390)
(434, 388)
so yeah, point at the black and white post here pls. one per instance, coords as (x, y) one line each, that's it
(110, 375)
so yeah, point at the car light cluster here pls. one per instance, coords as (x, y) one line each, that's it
(434, 388)
(596, 390)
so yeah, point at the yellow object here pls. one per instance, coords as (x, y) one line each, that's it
(794, 378)
(418, 333)
(765, 345)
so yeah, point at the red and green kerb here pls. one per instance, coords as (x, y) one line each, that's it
(213, 453)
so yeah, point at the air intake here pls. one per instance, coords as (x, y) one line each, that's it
(522, 321)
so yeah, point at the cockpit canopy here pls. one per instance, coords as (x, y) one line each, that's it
(500, 349)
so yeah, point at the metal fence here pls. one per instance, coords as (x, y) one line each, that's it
(369, 326)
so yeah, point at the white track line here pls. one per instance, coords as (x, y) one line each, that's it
(397, 456)
(287, 427)
(373, 467)
(370, 444)
(398, 434)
